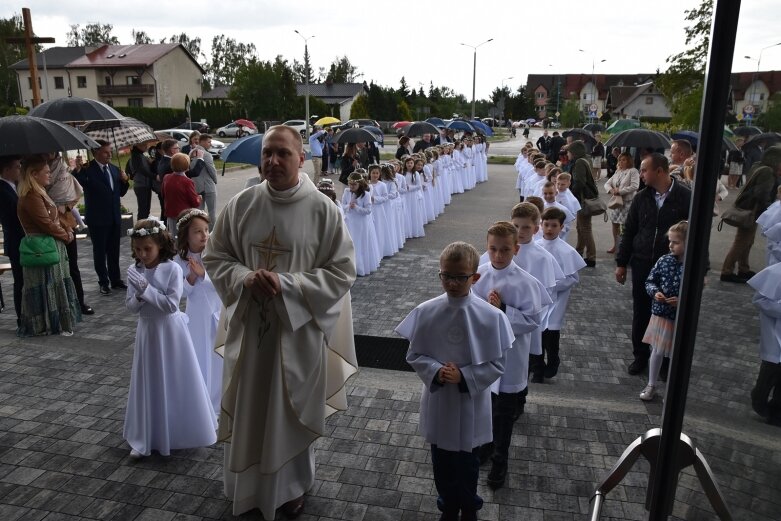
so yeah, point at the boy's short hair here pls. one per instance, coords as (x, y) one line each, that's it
(525, 210)
(536, 201)
(540, 163)
(554, 214)
(180, 162)
(565, 176)
(461, 251)
(548, 185)
(503, 229)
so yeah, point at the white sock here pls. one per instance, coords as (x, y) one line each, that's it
(77, 215)
(654, 364)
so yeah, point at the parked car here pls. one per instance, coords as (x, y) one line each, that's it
(235, 130)
(203, 128)
(183, 136)
(298, 124)
(357, 123)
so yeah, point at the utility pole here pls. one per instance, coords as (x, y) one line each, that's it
(29, 41)
(306, 72)
(474, 70)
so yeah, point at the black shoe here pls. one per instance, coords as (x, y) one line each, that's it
(118, 285)
(105, 290)
(759, 404)
(745, 275)
(731, 277)
(638, 366)
(468, 515)
(86, 310)
(591, 263)
(538, 378)
(497, 475)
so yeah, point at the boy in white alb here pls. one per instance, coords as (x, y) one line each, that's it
(766, 394)
(570, 263)
(549, 198)
(564, 196)
(457, 347)
(525, 301)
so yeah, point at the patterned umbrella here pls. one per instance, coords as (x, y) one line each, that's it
(122, 133)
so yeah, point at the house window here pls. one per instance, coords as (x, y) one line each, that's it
(585, 96)
(133, 80)
(649, 100)
(59, 83)
(81, 82)
(135, 102)
(108, 80)
(30, 83)
(540, 95)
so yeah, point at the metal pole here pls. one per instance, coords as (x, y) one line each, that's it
(474, 76)
(306, 71)
(717, 80)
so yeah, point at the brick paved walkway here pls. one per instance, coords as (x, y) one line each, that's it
(62, 406)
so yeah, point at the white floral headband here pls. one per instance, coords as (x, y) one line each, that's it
(195, 212)
(144, 232)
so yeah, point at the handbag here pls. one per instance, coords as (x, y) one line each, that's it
(738, 217)
(592, 207)
(38, 250)
(615, 202)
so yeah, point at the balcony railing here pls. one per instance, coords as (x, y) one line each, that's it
(126, 90)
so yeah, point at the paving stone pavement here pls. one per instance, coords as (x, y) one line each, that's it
(62, 401)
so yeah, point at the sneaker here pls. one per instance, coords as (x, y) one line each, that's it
(66, 333)
(105, 290)
(648, 393)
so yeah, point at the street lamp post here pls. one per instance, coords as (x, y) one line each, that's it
(595, 97)
(756, 74)
(306, 73)
(474, 70)
(503, 96)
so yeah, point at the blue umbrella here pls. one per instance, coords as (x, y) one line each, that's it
(437, 122)
(694, 138)
(460, 124)
(482, 126)
(245, 150)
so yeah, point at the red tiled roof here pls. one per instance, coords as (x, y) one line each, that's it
(126, 56)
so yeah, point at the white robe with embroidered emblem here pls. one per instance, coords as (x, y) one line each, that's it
(287, 358)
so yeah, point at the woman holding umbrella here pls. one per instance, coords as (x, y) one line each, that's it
(403, 149)
(49, 303)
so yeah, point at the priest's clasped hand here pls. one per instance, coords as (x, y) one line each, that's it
(263, 283)
(449, 374)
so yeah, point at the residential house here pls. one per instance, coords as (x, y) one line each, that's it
(755, 89)
(340, 96)
(638, 102)
(53, 79)
(151, 75)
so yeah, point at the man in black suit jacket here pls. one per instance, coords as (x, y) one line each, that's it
(10, 172)
(103, 185)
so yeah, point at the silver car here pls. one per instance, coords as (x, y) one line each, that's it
(183, 136)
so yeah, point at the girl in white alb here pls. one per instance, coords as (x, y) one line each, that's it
(357, 206)
(203, 303)
(395, 209)
(426, 182)
(168, 404)
(416, 213)
(382, 215)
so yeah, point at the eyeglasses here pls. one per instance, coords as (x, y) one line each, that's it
(447, 277)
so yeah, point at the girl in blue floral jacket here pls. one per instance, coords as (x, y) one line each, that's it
(663, 285)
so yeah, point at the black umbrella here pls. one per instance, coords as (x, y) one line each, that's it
(418, 128)
(23, 135)
(594, 127)
(581, 134)
(765, 140)
(640, 138)
(377, 131)
(694, 138)
(75, 109)
(747, 131)
(355, 135)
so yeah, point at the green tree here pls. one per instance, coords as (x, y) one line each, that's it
(266, 90)
(402, 111)
(93, 34)
(570, 113)
(140, 37)
(341, 71)
(302, 70)
(770, 120)
(193, 45)
(521, 105)
(10, 54)
(403, 89)
(228, 56)
(360, 108)
(682, 83)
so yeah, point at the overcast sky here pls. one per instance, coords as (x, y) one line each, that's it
(420, 40)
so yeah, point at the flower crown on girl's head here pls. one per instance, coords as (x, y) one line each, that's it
(145, 232)
(195, 212)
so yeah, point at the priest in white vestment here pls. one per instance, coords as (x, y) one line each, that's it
(283, 263)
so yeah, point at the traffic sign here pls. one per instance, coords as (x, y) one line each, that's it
(593, 107)
(748, 109)
(558, 114)
(592, 114)
(748, 117)
(599, 113)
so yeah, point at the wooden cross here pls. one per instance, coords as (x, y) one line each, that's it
(29, 40)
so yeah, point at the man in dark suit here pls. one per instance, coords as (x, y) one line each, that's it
(10, 172)
(103, 185)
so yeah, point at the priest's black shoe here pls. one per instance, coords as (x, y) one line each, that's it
(118, 285)
(87, 310)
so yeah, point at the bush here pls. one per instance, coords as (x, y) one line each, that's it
(157, 118)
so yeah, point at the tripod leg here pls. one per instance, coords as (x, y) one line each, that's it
(710, 487)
